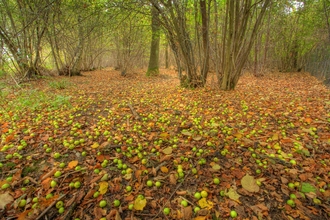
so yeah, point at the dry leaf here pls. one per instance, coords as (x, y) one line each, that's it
(216, 167)
(201, 218)
(140, 203)
(249, 183)
(73, 164)
(5, 198)
(113, 215)
(164, 169)
(187, 213)
(103, 187)
(232, 194)
(167, 150)
(172, 179)
(95, 145)
(205, 204)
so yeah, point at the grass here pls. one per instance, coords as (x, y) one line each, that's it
(59, 85)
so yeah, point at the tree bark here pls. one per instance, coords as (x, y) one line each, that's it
(153, 67)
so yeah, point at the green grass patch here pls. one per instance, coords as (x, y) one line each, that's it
(59, 85)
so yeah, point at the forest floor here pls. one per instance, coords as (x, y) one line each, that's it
(102, 146)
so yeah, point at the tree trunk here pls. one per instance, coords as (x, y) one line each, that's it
(237, 39)
(153, 67)
(75, 68)
(166, 56)
(205, 35)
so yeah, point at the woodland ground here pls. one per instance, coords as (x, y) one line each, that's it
(267, 142)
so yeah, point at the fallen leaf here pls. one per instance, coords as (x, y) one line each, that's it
(216, 167)
(140, 203)
(95, 145)
(187, 133)
(307, 188)
(5, 198)
(187, 213)
(103, 187)
(113, 215)
(249, 183)
(232, 194)
(205, 204)
(201, 218)
(73, 164)
(167, 150)
(197, 138)
(164, 169)
(173, 179)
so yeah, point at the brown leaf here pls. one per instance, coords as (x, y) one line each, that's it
(113, 215)
(173, 179)
(129, 198)
(181, 193)
(249, 183)
(166, 157)
(73, 164)
(5, 198)
(99, 212)
(164, 169)
(23, 215)
(187, 213)
(167, 150)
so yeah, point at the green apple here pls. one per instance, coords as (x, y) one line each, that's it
(57, 174)
(166, 211)
(53, 183)
(103, 203)
(233, 214)
(116, 203)
(22, 203)
(149, 183)
(197, 195)
(77, 184)
(204, 194)
(184, 203)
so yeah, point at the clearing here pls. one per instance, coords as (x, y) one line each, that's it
(112, 147)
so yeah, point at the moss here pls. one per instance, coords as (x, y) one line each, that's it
(153, 72)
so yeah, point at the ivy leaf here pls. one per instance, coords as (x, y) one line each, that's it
(140, 203)
(249, 183)
(307, 188)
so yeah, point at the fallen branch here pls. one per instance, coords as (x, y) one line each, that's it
(50, 206)
(176, 189)
(136, 115)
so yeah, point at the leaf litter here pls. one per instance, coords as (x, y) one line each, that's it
(146, 142)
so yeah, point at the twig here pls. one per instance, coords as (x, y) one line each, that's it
(134, 112)
(50, 173)
(176, 189)
(49, 207)
(187, 200)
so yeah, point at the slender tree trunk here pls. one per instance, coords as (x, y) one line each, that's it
(166, 56)
(205, 34)
(237, 39)
(75, 68)
(153, 67)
